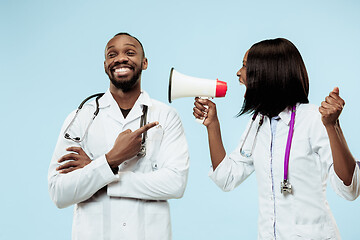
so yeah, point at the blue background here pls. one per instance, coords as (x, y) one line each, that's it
(51, 58)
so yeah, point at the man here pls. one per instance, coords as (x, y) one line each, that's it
(330, 110)
(119, 190)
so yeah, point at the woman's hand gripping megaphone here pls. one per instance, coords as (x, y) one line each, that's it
(205, 111)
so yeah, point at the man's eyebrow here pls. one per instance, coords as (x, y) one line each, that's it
(130, 44)
(110, 47)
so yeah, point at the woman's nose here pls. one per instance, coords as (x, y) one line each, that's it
(238, 73)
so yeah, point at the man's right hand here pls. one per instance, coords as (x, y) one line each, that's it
(127, 145)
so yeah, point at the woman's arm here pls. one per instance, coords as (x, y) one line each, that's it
(344, 162)
(217, 150)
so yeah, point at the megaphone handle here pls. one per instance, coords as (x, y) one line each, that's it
(201, 121)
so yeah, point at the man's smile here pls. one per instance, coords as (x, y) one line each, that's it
(122, 70)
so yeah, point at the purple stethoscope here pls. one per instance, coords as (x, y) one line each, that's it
(285, 184)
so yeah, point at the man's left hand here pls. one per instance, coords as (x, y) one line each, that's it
(78, 159)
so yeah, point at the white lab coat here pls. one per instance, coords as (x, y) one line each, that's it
(305, 214)
(132, 204)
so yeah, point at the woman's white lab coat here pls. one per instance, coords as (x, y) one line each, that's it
(305, 214)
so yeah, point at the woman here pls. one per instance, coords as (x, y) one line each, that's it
(285, 143)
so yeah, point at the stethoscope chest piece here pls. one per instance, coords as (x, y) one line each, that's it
(285, 187)
(142, 151)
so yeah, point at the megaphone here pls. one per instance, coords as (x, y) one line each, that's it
(181, 85)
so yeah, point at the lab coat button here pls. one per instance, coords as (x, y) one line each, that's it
(125, 163)
(124, 224)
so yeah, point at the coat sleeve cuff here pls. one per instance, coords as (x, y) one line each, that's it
(104, 169)
(350, 192)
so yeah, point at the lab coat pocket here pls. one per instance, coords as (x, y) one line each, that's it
(88, 221)
(150, 163)
(320, 231)
(157, 218)
(153, 143)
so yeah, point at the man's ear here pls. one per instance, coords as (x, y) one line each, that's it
(144, 63)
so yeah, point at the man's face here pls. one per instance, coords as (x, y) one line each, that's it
(124, 62)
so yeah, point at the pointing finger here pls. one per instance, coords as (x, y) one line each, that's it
(145, 128)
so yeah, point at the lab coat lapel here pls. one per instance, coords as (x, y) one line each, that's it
(112, 109)
(115, 112)
(285, 116)
(137, 110)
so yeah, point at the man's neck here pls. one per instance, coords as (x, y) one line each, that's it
(125, 100)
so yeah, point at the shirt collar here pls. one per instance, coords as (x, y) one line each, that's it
(286, 114)
(107, 100)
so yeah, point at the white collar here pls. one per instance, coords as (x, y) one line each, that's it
(286, 114)
(107, 100)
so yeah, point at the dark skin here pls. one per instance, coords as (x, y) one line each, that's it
(124, 59)
(211, 121)
(79, 160)
(344, 162)
(126, 146)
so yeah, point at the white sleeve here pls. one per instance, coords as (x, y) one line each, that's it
(321, 145)
(79, 185)
(233, 169)
(350, 192)
(169, 181)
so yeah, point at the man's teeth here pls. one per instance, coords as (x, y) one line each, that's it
(121, 70)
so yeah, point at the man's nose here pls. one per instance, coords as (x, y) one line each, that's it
(121, 58)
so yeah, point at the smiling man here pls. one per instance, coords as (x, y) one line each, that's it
(121, 173)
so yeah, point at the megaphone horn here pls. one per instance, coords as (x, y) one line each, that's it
(181, 85)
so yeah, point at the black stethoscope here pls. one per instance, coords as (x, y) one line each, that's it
(142, 151)
(285, 184)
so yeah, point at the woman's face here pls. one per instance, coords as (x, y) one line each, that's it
(242, 72)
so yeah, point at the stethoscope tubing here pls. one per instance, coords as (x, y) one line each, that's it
(285, 183)
(288, 143)
(78, 139)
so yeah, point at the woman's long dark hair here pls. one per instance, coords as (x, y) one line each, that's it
(276, 78)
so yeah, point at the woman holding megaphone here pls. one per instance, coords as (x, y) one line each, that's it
(286, 144)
